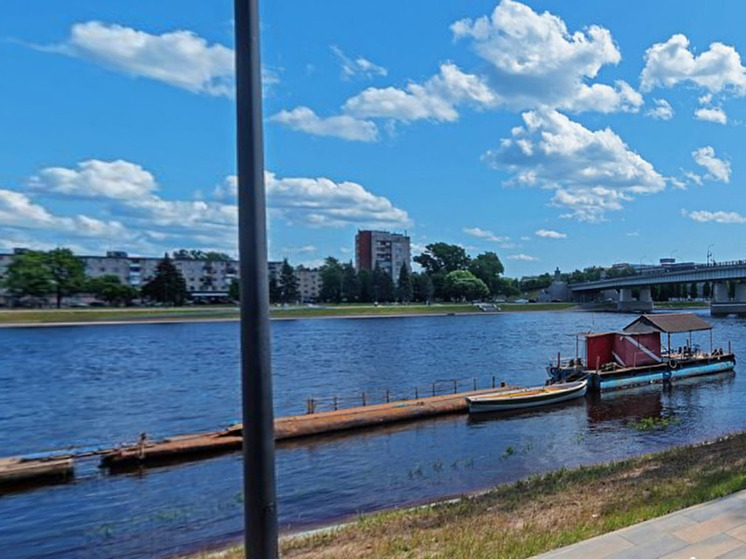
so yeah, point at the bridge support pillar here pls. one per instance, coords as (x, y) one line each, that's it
(722, 305)
(627, 303)
(645, 295)
(720, 292)
(740, 292)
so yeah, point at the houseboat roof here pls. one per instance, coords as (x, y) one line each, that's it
(670, 323)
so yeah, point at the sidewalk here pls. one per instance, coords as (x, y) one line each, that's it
(713, 529)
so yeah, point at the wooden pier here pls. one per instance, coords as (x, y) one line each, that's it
(19, 472)
(183, 448)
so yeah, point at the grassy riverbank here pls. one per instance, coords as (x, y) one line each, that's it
(186, 314)
(537, 514)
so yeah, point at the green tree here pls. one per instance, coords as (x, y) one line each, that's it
(404, 289)
(288, 284)
(234, 290)
(487, 267)
(693, 292)
(350, 284)
(537, 282)
(275, 293)
(383, 286)
(37, 274)
(184, 254)
(462, 285)
(28, 275)
(422, 288)
(109, 288)
(442, 257)
(706, 290)
(506, 287)
(331, 281)
(67, 272)
(167, 285)
(367, 292)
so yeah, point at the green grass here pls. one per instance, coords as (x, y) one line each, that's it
(681, 304)
(50, 316)
(541, 512)
(104, 314)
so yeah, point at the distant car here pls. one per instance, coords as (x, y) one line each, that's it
(521, 301)
(532, 300)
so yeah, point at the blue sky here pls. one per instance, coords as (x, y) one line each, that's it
(556, 134)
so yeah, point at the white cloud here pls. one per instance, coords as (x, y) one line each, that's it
(703, 216)
(716, 69)
(592, 172)
(179, 58)
(320, 202)
(718, 169)
(712, 114)
(693, 177)
(434, 99)
(549, 234)
(677, 183)
(484, 234)
(97, 179)
(18, 211)
(536, 62)
(341, 126)
(299, 250)
(662, 110)
(522, 258)
(358, 67)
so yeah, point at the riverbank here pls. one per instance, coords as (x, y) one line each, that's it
(536, 514)
(57, 317)
(68, 317)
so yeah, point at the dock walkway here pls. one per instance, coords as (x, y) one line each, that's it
(708, 530)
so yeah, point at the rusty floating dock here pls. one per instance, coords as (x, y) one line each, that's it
(21, 472)
(192, 447)
(18, 471)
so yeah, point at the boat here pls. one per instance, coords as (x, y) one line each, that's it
(636, 355)
(524, 398)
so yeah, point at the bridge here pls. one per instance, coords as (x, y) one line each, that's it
(618, 290)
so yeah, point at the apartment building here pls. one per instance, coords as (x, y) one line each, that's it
(387, 250)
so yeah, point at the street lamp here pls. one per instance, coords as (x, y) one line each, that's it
(709, 253)
(260, 508)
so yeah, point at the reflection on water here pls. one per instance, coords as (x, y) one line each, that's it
(98, 385)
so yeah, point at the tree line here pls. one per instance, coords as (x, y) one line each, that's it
(59, 273)
(448, 274)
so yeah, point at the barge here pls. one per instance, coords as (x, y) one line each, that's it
(637, 356)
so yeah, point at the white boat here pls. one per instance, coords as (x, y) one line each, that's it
(523, 398)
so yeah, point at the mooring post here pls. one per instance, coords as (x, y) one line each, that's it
(433, 389)
(475, 383)
(493, 381)
(455, 386)
(335, 403)
(416, 394)
(387, 395)
(363, 398)
(260, 507)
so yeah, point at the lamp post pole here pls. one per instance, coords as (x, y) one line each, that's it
(260, 514)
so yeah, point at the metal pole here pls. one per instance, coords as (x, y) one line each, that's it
(260, 512)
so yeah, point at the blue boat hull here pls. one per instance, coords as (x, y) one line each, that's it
(601, 381)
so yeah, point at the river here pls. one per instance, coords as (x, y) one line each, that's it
(90, 386)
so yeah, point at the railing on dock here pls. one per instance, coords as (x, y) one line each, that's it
(371, 397)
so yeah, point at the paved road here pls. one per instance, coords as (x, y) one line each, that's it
(716, 529)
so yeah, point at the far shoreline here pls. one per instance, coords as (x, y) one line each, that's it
(49, 318)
